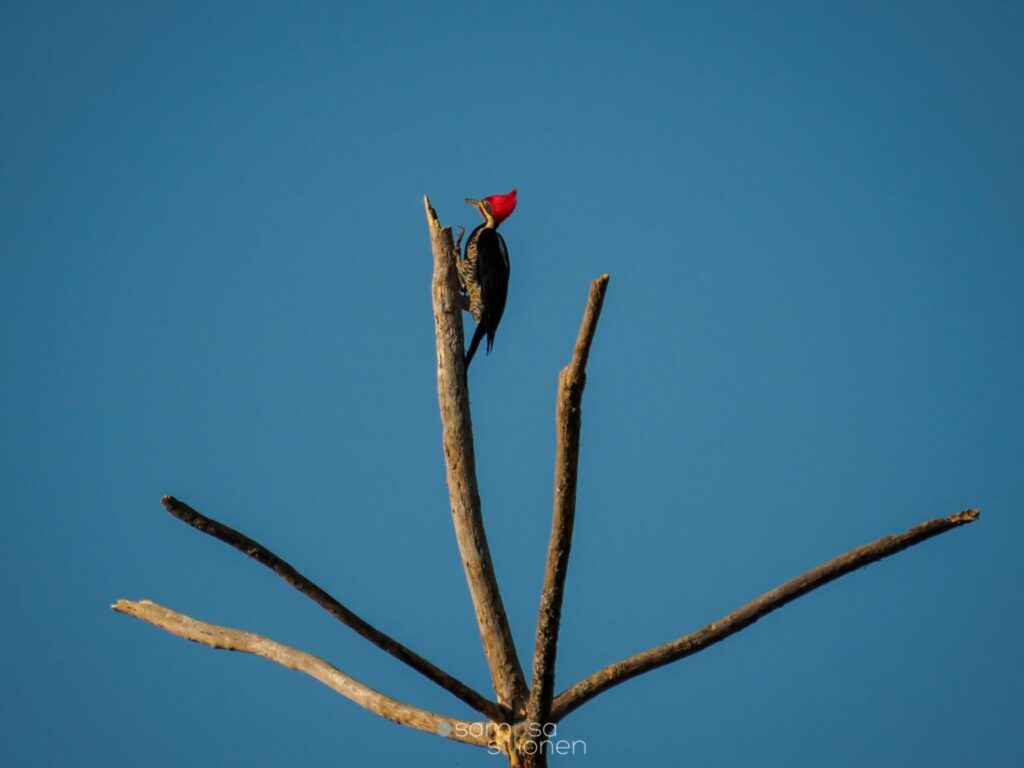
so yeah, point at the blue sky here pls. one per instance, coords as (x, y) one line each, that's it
(216, 285)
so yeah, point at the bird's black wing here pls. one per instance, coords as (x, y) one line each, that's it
(493, 270)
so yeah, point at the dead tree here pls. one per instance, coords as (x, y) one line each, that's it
(518, 720)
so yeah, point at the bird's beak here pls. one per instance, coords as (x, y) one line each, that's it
(483, 209)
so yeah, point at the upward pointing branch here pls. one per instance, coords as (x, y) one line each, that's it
(460, 461)
(571, 381)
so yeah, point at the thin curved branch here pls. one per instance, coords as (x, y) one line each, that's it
(687, 645)
(460, 462)
(264, 556)
(571, 382)
(229, 639)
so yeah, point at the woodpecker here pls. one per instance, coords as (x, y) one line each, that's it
(484, 270)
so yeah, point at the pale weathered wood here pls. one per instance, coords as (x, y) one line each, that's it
(460, 461)
(318, 595)
(517, 710)
(687, 645)
(571, 382)
(247, 642)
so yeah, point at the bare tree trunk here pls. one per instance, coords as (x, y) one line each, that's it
(460, 460)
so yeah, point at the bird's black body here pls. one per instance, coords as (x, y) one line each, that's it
(485, 271)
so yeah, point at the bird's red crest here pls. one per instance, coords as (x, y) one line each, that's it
(502, 206)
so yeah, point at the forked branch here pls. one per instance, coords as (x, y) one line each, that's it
(247, 642)
(687, 645)
(264, 556)
(571, 382)
(516, 707)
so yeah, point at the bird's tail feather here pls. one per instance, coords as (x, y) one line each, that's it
(478, 334)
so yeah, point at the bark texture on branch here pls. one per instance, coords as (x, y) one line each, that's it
(571, 381)
(247, 642)
(460, 461)
(264, 556)
(687, 645)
